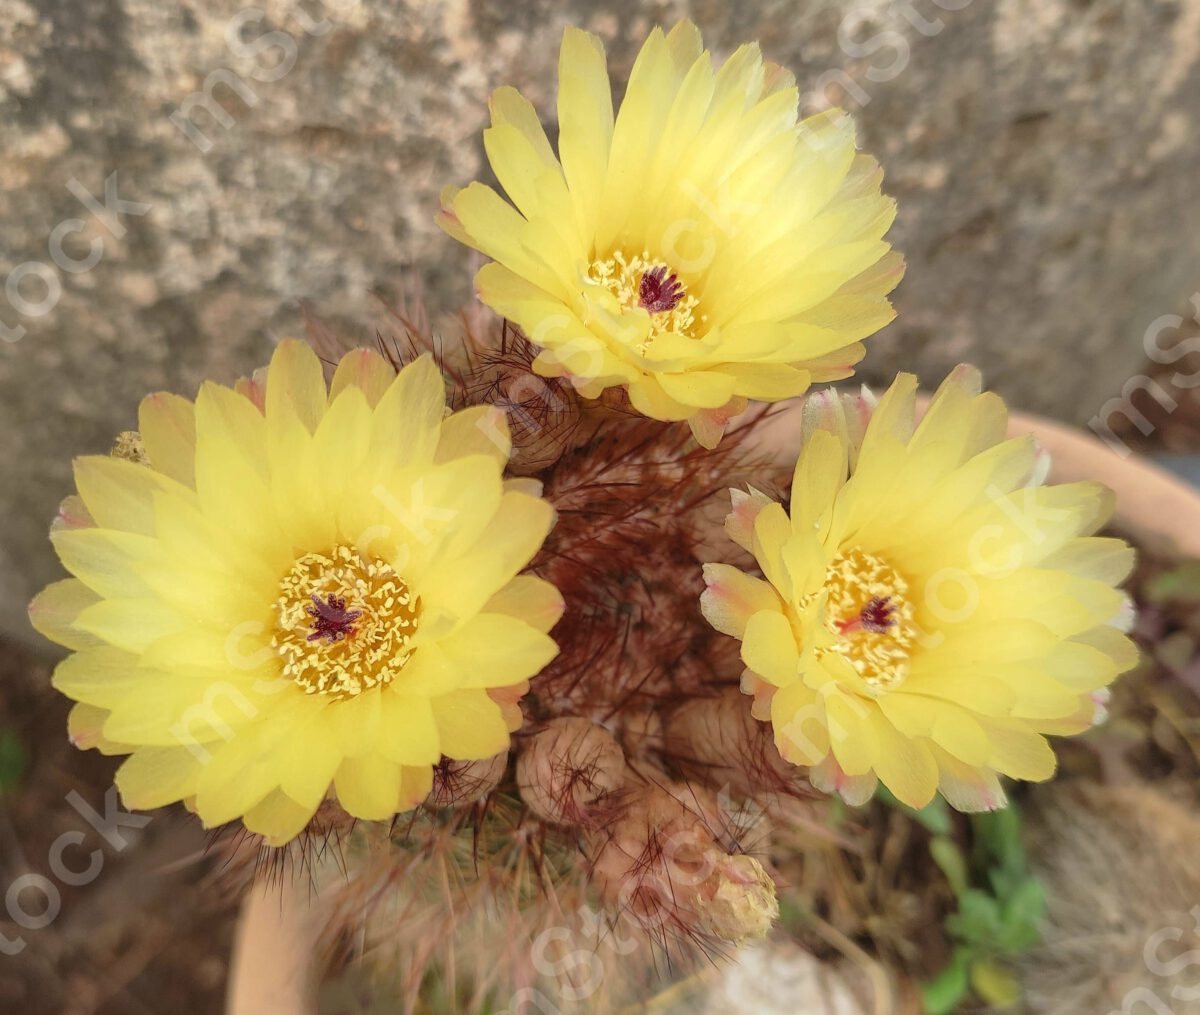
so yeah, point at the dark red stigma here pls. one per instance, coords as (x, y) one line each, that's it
(876, 616)
(331, 619)
(658, 291)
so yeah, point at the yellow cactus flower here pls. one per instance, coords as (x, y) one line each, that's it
(701, 248)
(292, 589)
(929, 609)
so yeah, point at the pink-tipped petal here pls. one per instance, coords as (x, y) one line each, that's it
(745, 506)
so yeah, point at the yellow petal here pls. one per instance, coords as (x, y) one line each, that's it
(232, 475)
(167, 424)
(120, 494)
(768, 382)
(978, 688)
(893, 417)
(640, 121)
(156, 776)
(819, 475)
(585, 118)
(798, 720)
(904, 765)
(494, 650)
(497, 229)
(479, 430)
(739, 524)
(105, 560)
(731, 597)
(1020, 753)
(951, 727)
(306, 761)
(407, 733)
(805, 563)
(278, 818)
(369, 787)
(705, 389)
(470, 725)
(406, 420)
(519, 165)
(530, 599)
(548, 320)
(439, 514)
(828, 777)
(229, 431)
(340, 447)
(1100, 558)
(851, 732)
(130, 624)
(1117, 647)
(85, 729)
(772, 529)
(197, 711)
(429, 672)
(357, 723)
(307, 516)
(415, 785)
(237, 776)
(769, 648)
(1039, 695)
(967, 788)
(507, 545)
(648, 396)
(295, 385)
(54, 609)
(366, 370)
(509, 106)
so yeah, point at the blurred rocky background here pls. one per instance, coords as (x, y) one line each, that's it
(1044, 153)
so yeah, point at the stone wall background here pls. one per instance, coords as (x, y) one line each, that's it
(1044, 153)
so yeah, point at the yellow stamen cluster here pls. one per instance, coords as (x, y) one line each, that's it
(622, 276)
(370, 649)
(853, 579)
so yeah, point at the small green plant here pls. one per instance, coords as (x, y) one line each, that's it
(1000, 907)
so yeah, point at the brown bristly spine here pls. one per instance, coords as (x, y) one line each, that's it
(716, 740)
(569, 771)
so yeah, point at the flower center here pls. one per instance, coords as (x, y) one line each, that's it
(869, 611)
(650, 284)
(344, 624)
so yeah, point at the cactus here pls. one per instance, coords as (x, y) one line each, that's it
(630, 817)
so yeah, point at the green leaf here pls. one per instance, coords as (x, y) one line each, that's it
(1001, 851)
(942, 994)
(999, 833)
(977, 920)
(1021, 918)
(12, 761)
(949, 858)
(994, 984)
